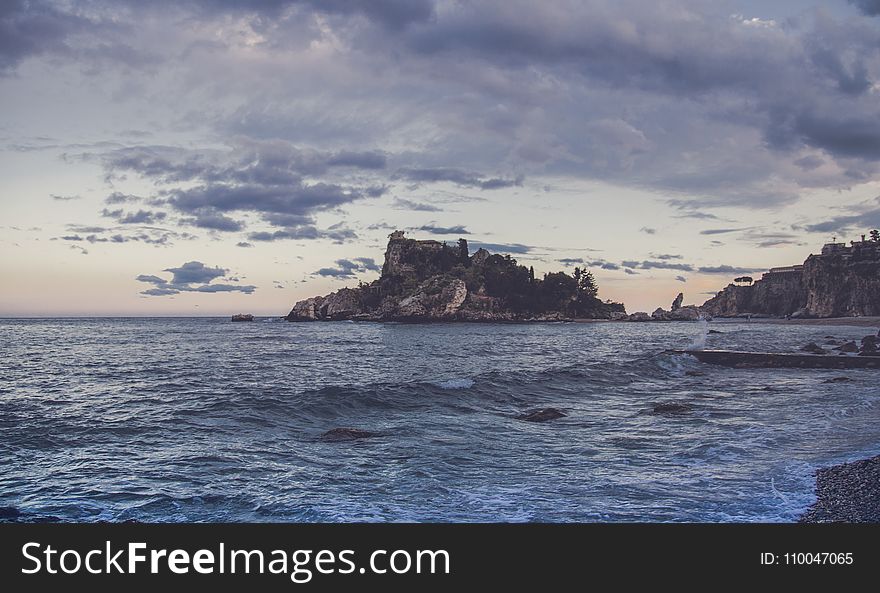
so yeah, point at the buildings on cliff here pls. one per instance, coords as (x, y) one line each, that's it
(842, 281)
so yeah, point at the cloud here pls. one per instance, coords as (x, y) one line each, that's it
(666, 256)
(139, 217)
(864, 218)
(120, 198)
(347, 268)
(719, 231)
(458, 177)
(244, 244)
(516, 248)
(444, 230)
(192, 276)
(725, 269)
(64, 198)
(648, 230)
(404, 204)
(265, 177)
(681, 278)
(658, 265)
(869, 7)
(195, 272)
(156, 236)
(210, 219)
(337, 235)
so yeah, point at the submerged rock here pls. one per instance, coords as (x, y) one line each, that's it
(541, 415)
(671, 408)
(838, 380)
(347, 434)
(848, 347)
(813, 348)
(9, 513)
(686, 313)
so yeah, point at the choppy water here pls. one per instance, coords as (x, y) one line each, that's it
(207, 420)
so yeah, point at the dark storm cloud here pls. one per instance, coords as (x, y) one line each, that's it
(862, 221)
(193, 276)
(210, 219)
(390, 14)
(29, 28)
(444, 230)
(346, 268)
(458, 177)
(869, 7)
(267, 178)
(682, 98)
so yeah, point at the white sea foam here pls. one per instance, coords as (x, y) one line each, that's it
(455, 384)
(700, 341)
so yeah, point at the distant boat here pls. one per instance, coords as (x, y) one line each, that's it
(730, 358)
(242, 317)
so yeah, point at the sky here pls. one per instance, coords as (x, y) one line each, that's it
(209, 157)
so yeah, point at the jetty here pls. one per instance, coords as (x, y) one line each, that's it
(746, 360)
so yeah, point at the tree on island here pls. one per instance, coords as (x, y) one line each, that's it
(875, 236)
(463, 255)
(744, 280)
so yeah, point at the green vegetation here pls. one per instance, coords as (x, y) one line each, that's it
(499, 276)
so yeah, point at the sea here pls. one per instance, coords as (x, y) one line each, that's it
(205, 420)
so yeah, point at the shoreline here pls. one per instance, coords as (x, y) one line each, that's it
(847, 493)
(872, 321)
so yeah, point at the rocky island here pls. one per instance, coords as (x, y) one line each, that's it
(432, 281)
(842, 281)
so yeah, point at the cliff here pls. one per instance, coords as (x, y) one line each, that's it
(842, 281)
(432, 281)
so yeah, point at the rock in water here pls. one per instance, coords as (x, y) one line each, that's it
(639, 316)
(813, 348)
(671, 408)
(676, 304)
(715, 331)
(541, 415)
(9, 513)
(688, 313)
(838, 380)
(347, 434)
(848, 347)
(242, 317)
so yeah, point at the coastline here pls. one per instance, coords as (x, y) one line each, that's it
(873, 321)
(847, 493)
